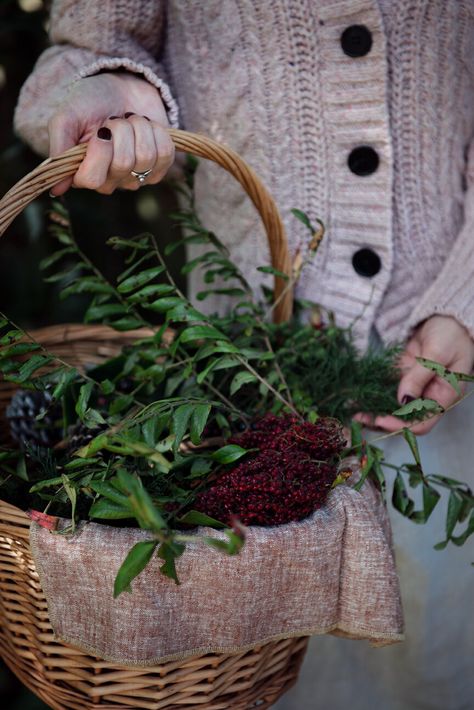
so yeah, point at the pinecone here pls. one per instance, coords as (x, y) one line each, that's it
(28, 431)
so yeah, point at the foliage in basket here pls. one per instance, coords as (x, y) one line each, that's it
(217, 420)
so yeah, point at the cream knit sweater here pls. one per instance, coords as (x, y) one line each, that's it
(288, 88)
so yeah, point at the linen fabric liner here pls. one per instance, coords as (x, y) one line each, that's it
(333, 572)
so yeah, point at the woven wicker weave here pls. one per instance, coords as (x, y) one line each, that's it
(65, 677)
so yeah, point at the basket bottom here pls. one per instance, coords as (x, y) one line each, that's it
(123, 688)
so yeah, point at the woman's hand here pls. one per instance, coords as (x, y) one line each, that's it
(440, 338)
(124, 120)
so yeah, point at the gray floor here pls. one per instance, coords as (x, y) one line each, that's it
(434, 668)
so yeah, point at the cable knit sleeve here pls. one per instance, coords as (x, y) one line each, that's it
(452, 292)
(89, 36)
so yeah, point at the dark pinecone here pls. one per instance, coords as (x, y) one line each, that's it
(28, 431)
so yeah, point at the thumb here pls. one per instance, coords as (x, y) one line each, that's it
(414, 382)
(63, 132)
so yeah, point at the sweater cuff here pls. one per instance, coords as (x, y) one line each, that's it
(452, 293)
(111, 64)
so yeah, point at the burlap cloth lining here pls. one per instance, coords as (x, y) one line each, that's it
(331, 573)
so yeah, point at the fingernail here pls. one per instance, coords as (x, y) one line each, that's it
(51, 195)
(407, 398)
(128, 114)
(112, 118)
(148, 119)
(104, 133)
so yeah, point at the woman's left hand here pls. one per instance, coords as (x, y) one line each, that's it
(444, 340)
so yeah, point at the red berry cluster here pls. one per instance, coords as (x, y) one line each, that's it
(287, 479)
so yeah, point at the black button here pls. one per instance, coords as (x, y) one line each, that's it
(366, 262)
(356, 41)
(363, 160)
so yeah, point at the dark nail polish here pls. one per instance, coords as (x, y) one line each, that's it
(112, 118)
(407, 398)
(104, 133)
(148, 119)
(128, 114)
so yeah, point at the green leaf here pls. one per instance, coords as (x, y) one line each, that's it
(107, 386)
(66, 378)
(400, 499)
(140, 502)
(106, 510)
(120, 403)
(46, 484)
(54, 257)
(98, 313)
(179, 425)
(184, 312)
(240, 379)
(232, 546)
(164, 304)
(229, 454)
(272, 270)
(455, 505)
(366, 467)
(232, 292)
(72, 495)
(410, 438)
(140, 279)
(127, 323)
(419, 406)
(199, 419)
(213, 348)
(91, 284)
(135, 562)
(107, 490)
(94, 446)
(430, 499)
(169, 551)
(194, 517)
(83, 399)
(152, 290)
(30, 366)
(200, 467)
(21, 470)
(18, 349)
(78, 463)
(68, 275)
(303, 217)
(201, 332)
(442, 372)
(461, 539)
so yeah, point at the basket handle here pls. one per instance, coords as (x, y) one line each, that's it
(52, 170)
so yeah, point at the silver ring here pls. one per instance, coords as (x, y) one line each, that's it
(141, 177)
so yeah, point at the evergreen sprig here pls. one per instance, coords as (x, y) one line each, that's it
(195, 379)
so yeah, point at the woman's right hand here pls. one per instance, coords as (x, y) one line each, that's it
(123, 119)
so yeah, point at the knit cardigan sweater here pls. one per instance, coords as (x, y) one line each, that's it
(283, 85)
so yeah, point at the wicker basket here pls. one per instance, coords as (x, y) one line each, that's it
(63, 676)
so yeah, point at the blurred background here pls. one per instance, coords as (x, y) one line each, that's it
(24, 297)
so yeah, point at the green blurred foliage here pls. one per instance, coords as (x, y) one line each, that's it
(23, 295)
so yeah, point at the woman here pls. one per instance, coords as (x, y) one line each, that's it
(360, 112)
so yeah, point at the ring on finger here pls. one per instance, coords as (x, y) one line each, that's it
(141, 177)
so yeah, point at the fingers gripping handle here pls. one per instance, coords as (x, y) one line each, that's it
(52, 170)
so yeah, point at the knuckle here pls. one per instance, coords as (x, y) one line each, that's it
(89, 182)
(155, 179)
(122, 166)
(106, 189)
(130, 185)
